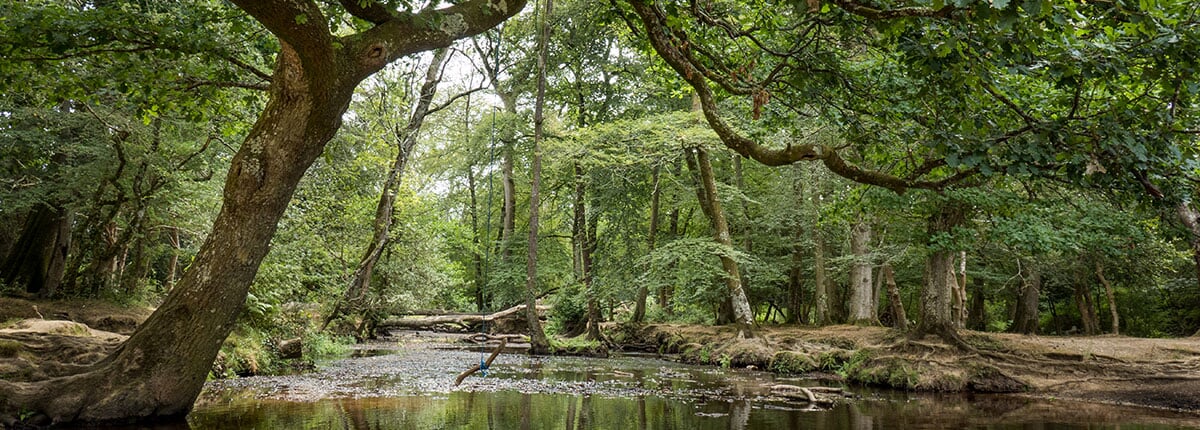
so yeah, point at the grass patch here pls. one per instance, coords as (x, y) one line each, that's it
(10, 348)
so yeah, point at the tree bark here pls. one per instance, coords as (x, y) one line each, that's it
(39, 258)
(158, 372)
(1112, 298)
(1026, 319)
(821, 306)
(897, 304)
(1087, 309)
(538, 344)
(862, 307)
(937, 315)
(743, 317)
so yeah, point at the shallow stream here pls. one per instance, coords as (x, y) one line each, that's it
(410, 386)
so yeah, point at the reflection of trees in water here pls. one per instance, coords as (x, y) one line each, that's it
(739, 415)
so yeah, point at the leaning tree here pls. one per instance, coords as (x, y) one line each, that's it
(158, 372)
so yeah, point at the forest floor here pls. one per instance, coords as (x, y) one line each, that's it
(1156, 373)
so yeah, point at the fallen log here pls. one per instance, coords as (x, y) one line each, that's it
(463, 322)
(485, 365)
(809, 394)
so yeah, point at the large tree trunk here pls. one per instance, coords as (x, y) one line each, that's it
(159, 371)
(1112, 298)
(743, 317)
(39, 258)
(537, 337)
(937, 314)
(639, 309)
(862, 307)
(1026, 319)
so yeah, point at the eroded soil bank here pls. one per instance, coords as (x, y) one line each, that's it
(1156, 373)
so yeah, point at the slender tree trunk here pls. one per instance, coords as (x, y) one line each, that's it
(862, 310)
(1026, 319)
(1112, 298)
(1087, 309)
(406, 138)
(821, 308)
(795, 284)
(173, 262)
(583, 239)
(538, 343)
(743, 317)
(977, 313)
(897, 304)
(639, 309)
(476, 255)
(962, 288)
(665, 291)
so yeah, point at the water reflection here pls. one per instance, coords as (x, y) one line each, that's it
(411, 388)
(514, 409)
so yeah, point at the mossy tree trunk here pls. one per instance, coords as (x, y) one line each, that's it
(937, 312)
(736, 295)
(1025, 320)
(158, 372)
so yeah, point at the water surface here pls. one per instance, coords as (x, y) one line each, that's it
(410, 387)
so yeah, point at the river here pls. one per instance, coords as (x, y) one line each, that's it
(410, 386)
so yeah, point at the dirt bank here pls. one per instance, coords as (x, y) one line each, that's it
(41, 340)
(1157, 373)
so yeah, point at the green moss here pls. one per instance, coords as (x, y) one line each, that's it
(833, 360)
(578, 345)
(791, 362)
(890, 372)
(10, 348)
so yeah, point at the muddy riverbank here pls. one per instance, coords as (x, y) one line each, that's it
(408, 383)
(1154, 373)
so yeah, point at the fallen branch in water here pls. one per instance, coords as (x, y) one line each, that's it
(485, 364)
(807, 393)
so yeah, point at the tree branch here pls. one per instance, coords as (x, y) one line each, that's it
(669, 48)
(869, 12)
(372, 12)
